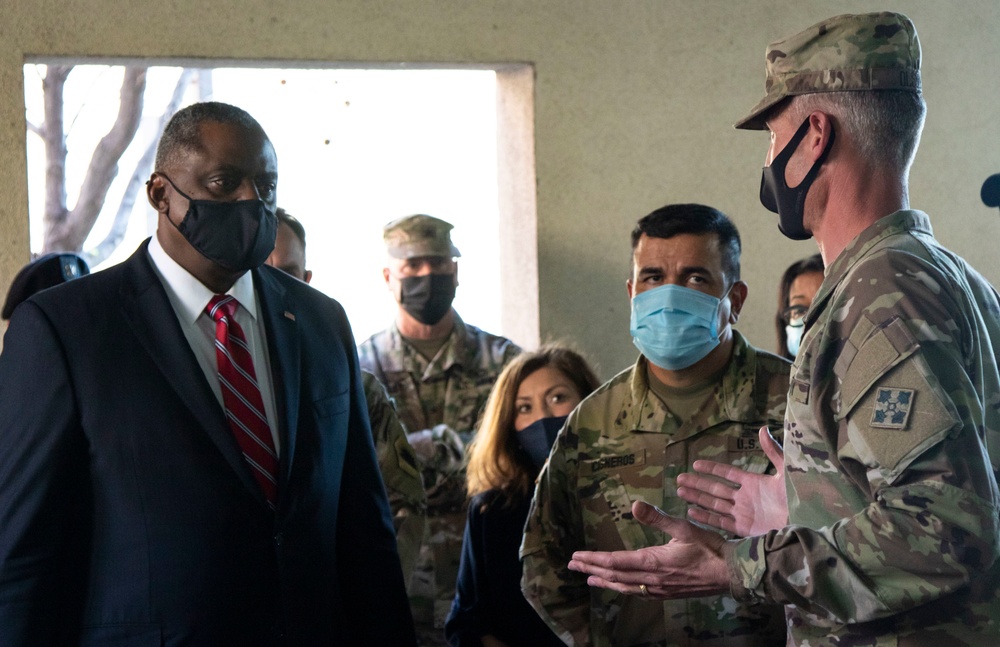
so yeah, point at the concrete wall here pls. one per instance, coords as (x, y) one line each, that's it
(634, 103)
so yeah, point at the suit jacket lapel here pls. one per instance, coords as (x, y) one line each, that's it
(147, 309)
(283, 344)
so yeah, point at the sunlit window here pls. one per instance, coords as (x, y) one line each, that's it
(356, 149)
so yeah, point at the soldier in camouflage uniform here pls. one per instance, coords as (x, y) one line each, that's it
(892, 426)
(439, 370)
(403, 482)
(396, 459)
(630, 439)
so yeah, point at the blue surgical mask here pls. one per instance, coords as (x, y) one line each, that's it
(793, 335)
(674, 327)
(538, 437)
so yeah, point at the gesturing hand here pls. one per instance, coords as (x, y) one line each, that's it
(741, 503)
(690, 565)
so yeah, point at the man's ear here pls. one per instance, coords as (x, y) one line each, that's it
(308, 275)
(820, 131)
(737, 297)
(385, 275)
(156, 193)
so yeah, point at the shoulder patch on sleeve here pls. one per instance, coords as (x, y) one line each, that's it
(872, 356)
(406, 458)
(891, 408)
(894, 407)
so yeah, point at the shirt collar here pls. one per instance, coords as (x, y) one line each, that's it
(895, 223)
(733, 401)
(191, 295)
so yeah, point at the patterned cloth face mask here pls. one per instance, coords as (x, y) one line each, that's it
(675, 327)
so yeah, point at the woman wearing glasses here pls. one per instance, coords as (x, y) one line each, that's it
(799, 285)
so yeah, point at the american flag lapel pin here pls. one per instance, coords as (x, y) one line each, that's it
(289, 315)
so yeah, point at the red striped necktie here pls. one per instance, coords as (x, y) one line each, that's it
(241, 396)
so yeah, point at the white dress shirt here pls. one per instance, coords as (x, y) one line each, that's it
(188, 297)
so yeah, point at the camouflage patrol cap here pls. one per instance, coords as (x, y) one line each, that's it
(419, 235)
(851, 52)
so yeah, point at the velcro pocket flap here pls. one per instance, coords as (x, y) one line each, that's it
(616, 495)
(895, 409)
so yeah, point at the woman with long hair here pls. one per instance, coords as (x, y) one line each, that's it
(525, 410)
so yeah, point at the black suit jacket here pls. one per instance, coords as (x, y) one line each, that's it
(127, 513)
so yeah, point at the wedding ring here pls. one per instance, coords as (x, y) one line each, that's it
(644, 590)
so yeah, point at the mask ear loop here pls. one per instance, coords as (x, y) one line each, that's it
(180, 193)
(772, 179)
(780, 161)
(733, 315)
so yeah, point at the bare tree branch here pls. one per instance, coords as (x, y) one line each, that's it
(206, 89)
(38, 130)
(72, 229)
(55, 146)
(143, 167)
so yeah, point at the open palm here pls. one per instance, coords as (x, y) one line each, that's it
(734, 500)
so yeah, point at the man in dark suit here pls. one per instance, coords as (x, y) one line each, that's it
(179, 468)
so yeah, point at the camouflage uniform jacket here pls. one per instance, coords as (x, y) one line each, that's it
(890, 454)
(621, 445)
(398, 464)
(439, 402)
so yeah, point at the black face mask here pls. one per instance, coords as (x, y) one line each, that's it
(537, 438)
(238, 236)
(427, 298)
(775, 193)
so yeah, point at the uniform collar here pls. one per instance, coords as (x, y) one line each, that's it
(458, 350)
(906, 220)
(734, 399)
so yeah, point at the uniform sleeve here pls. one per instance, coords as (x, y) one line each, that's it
(440, 454)
(43, 486)
(468, 620)
(367, 557)
(510, 351)
(910, 437)
(552, 533)
(398, 465)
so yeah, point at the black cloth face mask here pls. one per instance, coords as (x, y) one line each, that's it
(238, 236)
(537, 438)
(789, 203)
(427, 298)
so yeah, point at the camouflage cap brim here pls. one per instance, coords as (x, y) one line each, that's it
(417, 250)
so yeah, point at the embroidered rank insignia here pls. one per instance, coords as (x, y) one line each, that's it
(892, 408)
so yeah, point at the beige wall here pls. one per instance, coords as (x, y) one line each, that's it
(634, 102)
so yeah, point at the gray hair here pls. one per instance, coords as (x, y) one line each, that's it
(884, 124)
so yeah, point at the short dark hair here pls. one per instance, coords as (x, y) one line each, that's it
(183, 131)
(293, 224)
(674, 219)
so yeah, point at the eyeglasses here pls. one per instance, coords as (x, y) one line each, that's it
(793, 313)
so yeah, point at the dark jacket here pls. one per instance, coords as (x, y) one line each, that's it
(127, 513)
